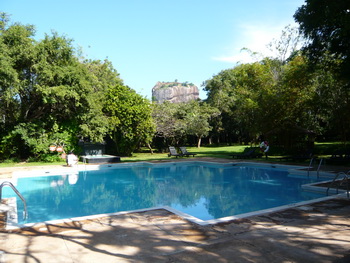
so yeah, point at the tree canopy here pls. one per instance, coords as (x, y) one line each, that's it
(326, 24)
(280, 97)
(50, 94)
(175, 122)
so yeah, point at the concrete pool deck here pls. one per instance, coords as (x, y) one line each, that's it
(318, 232)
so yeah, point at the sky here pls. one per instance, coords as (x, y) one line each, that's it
(161, 40)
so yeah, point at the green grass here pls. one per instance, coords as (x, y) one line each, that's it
(326, 148)
(25, 164)
(216, 152)
(322, 149)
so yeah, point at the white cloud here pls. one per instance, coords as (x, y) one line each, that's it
(255, 38)
(241, 56)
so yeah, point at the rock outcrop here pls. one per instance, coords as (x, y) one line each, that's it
(174, 92)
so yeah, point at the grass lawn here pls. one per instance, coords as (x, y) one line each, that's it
(321, 149)
(25, 164)
(216, 152)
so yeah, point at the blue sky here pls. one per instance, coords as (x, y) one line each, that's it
(160, 40)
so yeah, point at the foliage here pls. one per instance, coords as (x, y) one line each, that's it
(332, 97)
(174, 122)
(164, 115)
(175, 84)
(50, 94)
(46, 158)
(283, 98)
(242, 91)
(326, 24)
(196, 119)
(130, 119)
(271, 106)
(287, 45)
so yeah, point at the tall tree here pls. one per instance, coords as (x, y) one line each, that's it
(221, 95)
(326, 24)
(130, 118)
(287, 44)
(242, 96)
(177, 121)
(170, 127)
(50, 94)
(260, 103)
(196, 120)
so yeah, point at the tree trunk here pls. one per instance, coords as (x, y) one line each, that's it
(199, 142)
(149, 147)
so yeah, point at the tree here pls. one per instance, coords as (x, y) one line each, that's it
(165, 119)
(49, 94)
(242, 96)
(221, 95)
(331, 102)
(326, 24)
(130, 118)
(259, 103)
(54, 89)
(196, 119)
(288, 43)
(175, 122)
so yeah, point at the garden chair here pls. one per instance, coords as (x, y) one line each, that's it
(173, 152)
(185, 152)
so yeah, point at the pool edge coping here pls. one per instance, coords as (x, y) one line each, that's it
(192, 219)
(13, 226)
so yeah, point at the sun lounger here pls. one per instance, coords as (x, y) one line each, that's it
(185, 152)
(173, 152)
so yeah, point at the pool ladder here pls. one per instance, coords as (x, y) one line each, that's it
(318, 168)
(345, 178)
(7, 183)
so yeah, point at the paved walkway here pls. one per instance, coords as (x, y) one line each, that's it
(311, 233)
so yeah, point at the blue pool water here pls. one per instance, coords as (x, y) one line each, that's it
(203, 191)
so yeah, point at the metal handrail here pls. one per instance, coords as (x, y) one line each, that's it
(310, 166)
(7, 183)
(318, 168)
(345, 178)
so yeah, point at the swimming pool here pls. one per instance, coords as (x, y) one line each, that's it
(203, 190)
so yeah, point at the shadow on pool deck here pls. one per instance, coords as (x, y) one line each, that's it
(318, 232)
(312, 233)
